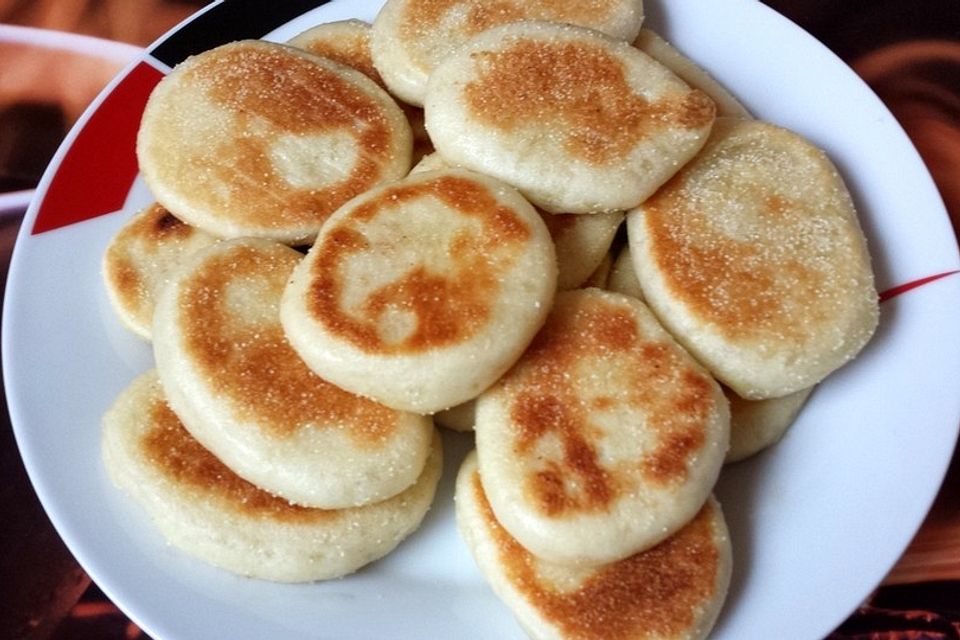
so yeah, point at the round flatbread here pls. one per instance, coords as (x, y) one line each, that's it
(411, 37)
(242, 391)
(139, 259)
(343, 41)
(260, 139)
(420, 294)
(605, 438)
(203, 508)
(348, 42)
(582, 242)
(690, 72)
(578, 121)
(754, 259)
(674, 590)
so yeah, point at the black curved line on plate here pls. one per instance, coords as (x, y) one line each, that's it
(228, 21)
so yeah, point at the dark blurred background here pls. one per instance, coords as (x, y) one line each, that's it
(907, 51)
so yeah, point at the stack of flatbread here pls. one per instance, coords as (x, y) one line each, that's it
(534, 221)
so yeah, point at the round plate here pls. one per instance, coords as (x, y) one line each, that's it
(816, 521)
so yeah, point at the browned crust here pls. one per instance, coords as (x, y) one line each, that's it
(660, 592)
(450, 307)
(581, 89)
(790, 274)
(349, 45)
(545, 402)
(151, 228)
(423, 15)
(265, 89)
(254, 364)
(185, 463)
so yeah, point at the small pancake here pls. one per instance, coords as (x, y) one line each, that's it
(754, 259)
(581, 242)
(605, 438)
(260, 139)
(758, 424)
(139, 259)
(623, 276)
(690, 72)
(422, 293)
(244, 393)
(674, 590)
(411, 37)
(344, 41)
(203, 508)
(348, 42)
(578, 121)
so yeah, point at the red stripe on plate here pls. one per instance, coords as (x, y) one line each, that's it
(97, 170)
(893, 292)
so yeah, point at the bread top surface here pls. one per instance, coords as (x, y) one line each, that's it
(345, 41)
(256, 138)
(673, 590)
(412, 36)
(228, 316)
(467, 18)
(579, 88)
(348, 42)
(185, 462)
(581, 241)
(140, 257)
(757, 240)
(446, 243)
(605, 437)
(174, 454)
(595, 356)
(577, 121)
(666, 54)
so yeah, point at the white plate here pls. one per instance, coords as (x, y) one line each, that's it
(817, 521)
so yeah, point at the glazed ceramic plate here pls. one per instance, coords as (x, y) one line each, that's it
(816, 521)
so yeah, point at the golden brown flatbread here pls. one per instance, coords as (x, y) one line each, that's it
(605, 438)
(753, 258)
(411, 37)
(577, 121)
(260, 139)
(203, 508)
(240, 389)
(674, 590)
(420, 294)
(139, 259)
